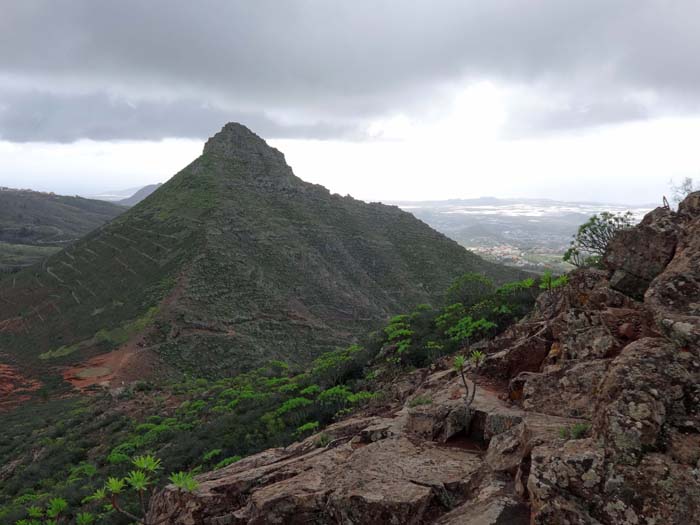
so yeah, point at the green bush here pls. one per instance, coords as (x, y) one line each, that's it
(420, 400)
(469, 289)
(226, 462)
(575, 431)
(307, 428)
(592, 239)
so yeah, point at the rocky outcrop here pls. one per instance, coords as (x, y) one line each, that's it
(599, 424)
(640, 464)
(416, 464)
(637, 255)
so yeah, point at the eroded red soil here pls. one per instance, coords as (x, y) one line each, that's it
(120, 367)
(15, 388)
(14, 325)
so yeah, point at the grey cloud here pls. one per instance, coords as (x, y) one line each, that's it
(573, 114)
(339, 62)
(44, 117)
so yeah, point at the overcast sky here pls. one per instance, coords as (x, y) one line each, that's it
(384, 100)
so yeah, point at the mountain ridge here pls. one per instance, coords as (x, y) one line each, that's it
(233, 261)
(36, 224)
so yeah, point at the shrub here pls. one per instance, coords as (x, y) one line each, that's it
(311, 390)
(138, 482)
(420, 400)
(307, 428)
(323, 440)
(575, 431)
(477, 357)
(184, 481)
(550, 284)
(469, 289)
(211, 454)
(467, 328)
(592, 239)
(226, 462)
(579, 430)
(361, 398)
(339, 365)
(293, 405)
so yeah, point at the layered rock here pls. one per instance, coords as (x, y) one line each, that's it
(600, 423)
(413, 465)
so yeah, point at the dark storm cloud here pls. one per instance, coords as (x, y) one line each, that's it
(298, 63)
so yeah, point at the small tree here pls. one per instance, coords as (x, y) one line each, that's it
(467, 328)
(550, 284)
(139, 481)
(459, 363)
(469, 289)
(477, 357)
(53, 514)
(592, 239)
(681, 190)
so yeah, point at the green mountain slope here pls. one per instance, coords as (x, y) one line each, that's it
(231, 263)
(33, 224)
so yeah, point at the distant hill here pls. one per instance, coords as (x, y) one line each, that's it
(232, 262)
(139, 195)
(35, 224)
(530, 233)
(113, 195)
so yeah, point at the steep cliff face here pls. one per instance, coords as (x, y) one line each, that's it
(599, 422)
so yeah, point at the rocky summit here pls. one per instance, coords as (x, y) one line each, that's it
(233, 262)
(586, 412)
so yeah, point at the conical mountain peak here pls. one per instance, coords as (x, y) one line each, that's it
(232, 262)
(236, 141)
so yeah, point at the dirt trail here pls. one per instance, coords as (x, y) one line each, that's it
(131, 362)
(125, 365)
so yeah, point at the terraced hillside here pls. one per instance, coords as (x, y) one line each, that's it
(233, 262)
(33, 225)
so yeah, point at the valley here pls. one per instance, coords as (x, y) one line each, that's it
(532, 234)
(34, 225)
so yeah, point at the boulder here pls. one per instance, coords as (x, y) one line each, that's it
(674, 296)
(387, 481)
(439, 422)
(637, 255)
(493, 503)
(525, 355)
(564, 480)
(566, 390)
(650, 386)
(507, 450)
(655, 491)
